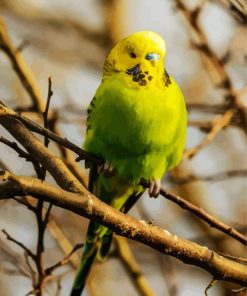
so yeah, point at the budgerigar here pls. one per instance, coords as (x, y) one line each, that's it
(137, 124)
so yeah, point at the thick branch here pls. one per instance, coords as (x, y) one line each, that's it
(87, 205)
(61, 172)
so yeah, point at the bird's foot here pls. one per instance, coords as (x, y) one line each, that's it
(106, 168)
(154, 188)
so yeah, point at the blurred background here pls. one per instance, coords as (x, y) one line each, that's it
(207, 56)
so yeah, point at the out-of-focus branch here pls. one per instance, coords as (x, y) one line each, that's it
(237, 7)
(29, 82)
(10, 238)
(34, 14)
(211, 178)
(14, 258)
(64, 261)
(132, 267)
(215, 68)
(89, 206)
(30, 142)
(217, 126)
(207, 108)
(21, 68)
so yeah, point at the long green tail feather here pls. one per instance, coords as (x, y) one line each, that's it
(94, 247)
(83, 271)
(119, 194)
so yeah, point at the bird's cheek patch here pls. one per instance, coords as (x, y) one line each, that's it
(167, 79)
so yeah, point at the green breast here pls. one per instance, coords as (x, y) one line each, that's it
(131, 125)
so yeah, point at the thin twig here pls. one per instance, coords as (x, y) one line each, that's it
(217, 126)
(25, 203)
(21, 68)
(221, 176)
(22, 153)
(45, 113)
(203, 215)
(237, 259)
(10, 238)
(211, 284)
(64, 261)
(29, 266)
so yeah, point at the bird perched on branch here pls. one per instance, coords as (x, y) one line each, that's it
(137, 124)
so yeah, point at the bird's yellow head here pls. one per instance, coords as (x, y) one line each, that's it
(140, 56)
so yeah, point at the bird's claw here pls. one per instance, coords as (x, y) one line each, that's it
(154, 188)
(106, 167)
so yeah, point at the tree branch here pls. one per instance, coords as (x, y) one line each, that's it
(10, 238)
(87, 205)
(132, 267)
(21, 68)
(64, 261)
(211, 178)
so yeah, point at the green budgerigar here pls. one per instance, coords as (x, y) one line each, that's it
(137, 124)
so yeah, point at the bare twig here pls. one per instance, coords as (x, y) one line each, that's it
(64, 261)
(237, 259)
(10, 238)
(203, 215)
(219, 75)
(21, 68)
(25, 203)
(14, 258)
(132, 267)
(211, 178)
(211, 284)
(29, 266)
(238, 8)
(45, 113)
(217, 126)
(22, 153)
(45, 132)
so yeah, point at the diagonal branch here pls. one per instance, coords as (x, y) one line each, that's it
(64, 261)
(210, 178)
(89, 206)
(10, 238)
(217, 126)
(21, 68)
(132, 267)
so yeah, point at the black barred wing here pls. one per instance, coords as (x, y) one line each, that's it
(89, 110)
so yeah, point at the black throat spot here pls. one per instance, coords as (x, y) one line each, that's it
(137, 75)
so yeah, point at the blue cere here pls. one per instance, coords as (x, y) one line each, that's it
(152, 56)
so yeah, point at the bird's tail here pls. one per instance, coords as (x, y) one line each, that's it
(96, 245)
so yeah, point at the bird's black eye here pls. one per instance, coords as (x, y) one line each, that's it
(132, 55)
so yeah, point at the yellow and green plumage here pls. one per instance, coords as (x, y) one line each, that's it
(137, 123)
